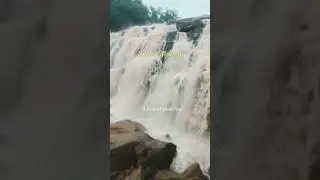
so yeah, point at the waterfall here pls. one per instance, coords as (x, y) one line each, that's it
(161, 79)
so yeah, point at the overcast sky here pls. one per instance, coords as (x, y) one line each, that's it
(185, 8)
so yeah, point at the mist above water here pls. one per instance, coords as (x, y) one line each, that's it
(170, 98)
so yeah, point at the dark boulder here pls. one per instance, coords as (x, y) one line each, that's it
(156, 154)
(122, 146)
(193, 27)
(188, 24)
(131, 148)
(170, 38)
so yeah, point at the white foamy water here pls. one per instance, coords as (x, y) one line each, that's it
(174, 101)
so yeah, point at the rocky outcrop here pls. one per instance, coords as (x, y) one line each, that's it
(134, 155)
(194, 172)
(188, 24)
(191, 173)
(158, 66)
(192, 27)
(187, 21)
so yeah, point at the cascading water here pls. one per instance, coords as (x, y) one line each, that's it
(170, 96)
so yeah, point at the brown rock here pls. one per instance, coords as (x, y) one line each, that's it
(131, 147)
(135, 175)
(194, 171)
(126, 126)
(121, 175)
(167, 175)
(124, 136)
(193, 178)
(160, 175)
(122, 149)
(156, 154)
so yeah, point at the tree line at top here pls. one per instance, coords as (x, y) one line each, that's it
(125, 13)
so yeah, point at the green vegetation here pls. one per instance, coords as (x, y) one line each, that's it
(125, 13)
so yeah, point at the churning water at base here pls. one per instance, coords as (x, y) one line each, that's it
(170, 96)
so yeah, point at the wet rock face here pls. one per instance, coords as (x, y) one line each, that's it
(187, 24)
(134, 155)
(192, 26)
(158, 66)
(132, 147)
(170, 38)
(156, 154)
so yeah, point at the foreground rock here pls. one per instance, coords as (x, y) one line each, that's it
(194, 171)
(134, 155)
(191, 173)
